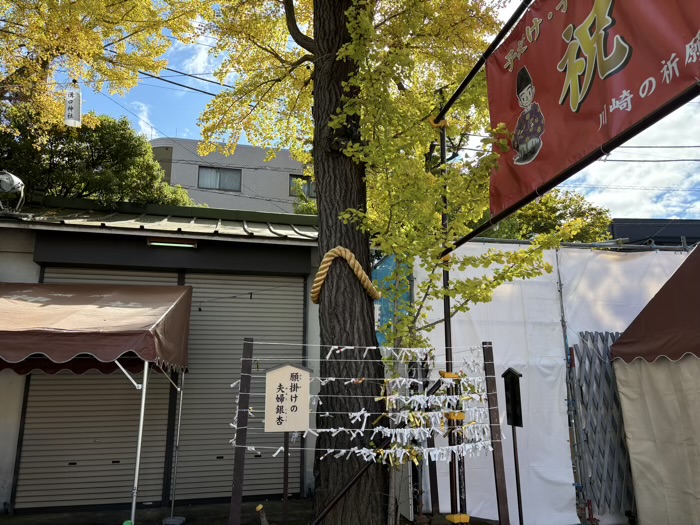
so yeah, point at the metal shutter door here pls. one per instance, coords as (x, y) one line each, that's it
(80, 432)
(223, 313)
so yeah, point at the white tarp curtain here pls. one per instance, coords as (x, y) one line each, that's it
(602, 292)
(660, 403)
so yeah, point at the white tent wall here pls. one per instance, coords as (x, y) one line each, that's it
(601, 292)
(605, 291)
(665, 448)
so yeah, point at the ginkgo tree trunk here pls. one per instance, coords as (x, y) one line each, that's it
(346, 311)
(348, 86)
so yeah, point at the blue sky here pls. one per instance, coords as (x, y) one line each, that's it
(641, 190)
(157, 108)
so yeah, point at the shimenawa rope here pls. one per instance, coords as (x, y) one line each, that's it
(346, 254)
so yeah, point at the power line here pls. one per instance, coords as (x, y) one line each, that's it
(178, 84)
(290, 171)
(144, 73)
(658, 147)
(649, 160)
(128, 110)
(290, 200)
(270, 200)
(145, 84)
(174, 39)
(641, 188)
(192, 75)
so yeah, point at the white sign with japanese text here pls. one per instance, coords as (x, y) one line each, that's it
(73, 116)
(287, 398)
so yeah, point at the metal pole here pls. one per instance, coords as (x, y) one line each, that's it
(286, 477)
(517, 475)
(139, 441)
(241, 433)
(503, 33)
(461, 466)
(177, 443)
(454, 498)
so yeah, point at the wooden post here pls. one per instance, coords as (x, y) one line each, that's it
(514, 417)
(241, 433)
(286, 477)
(432, 475)
(496, 440)
(517, 476)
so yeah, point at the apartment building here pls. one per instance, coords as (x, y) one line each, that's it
(242, 181)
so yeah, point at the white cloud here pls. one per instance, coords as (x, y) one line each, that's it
(197, 59)
(144, 124)
(650, 189)
(640, 189)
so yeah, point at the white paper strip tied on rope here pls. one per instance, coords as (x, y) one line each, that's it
(473, 432)
(434, 419)
(479, 383)
(398, 456)
(402, 354)
(424, 402)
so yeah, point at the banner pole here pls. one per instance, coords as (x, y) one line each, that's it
(503, 33)
(454, 499)
(669, 108)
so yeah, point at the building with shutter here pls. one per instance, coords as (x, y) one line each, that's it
(246, 180)
(67, 440)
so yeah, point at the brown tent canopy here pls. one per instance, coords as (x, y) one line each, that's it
(668, 326)
(78, 327)
(656, 368)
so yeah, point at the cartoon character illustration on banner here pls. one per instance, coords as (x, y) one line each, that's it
(527, 139)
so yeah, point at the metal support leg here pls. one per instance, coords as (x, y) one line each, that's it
(177, 444)
(139, 441)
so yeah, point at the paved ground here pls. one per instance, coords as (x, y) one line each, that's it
(299, 513)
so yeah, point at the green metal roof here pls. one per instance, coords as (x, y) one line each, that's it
(165, 221)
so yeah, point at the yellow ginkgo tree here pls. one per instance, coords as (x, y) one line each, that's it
(45, 44)
(351, 86)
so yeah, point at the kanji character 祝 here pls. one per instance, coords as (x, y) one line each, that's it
(586, 53)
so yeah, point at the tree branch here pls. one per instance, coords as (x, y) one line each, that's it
(300, 38)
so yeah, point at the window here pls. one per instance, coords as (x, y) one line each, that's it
(225, 179)
(308, 185)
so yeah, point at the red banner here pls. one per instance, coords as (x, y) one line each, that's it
(576, 76)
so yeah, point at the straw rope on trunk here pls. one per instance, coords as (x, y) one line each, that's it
(325, 266)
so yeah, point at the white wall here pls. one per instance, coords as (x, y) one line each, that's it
(601, 292)
(16, 265)
(264, 184)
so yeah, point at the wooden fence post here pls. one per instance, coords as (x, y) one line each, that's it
(496, 438)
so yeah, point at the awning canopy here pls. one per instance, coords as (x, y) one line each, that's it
(668, 326)
(78, 327)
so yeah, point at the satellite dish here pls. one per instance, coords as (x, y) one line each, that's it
(11, 185)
